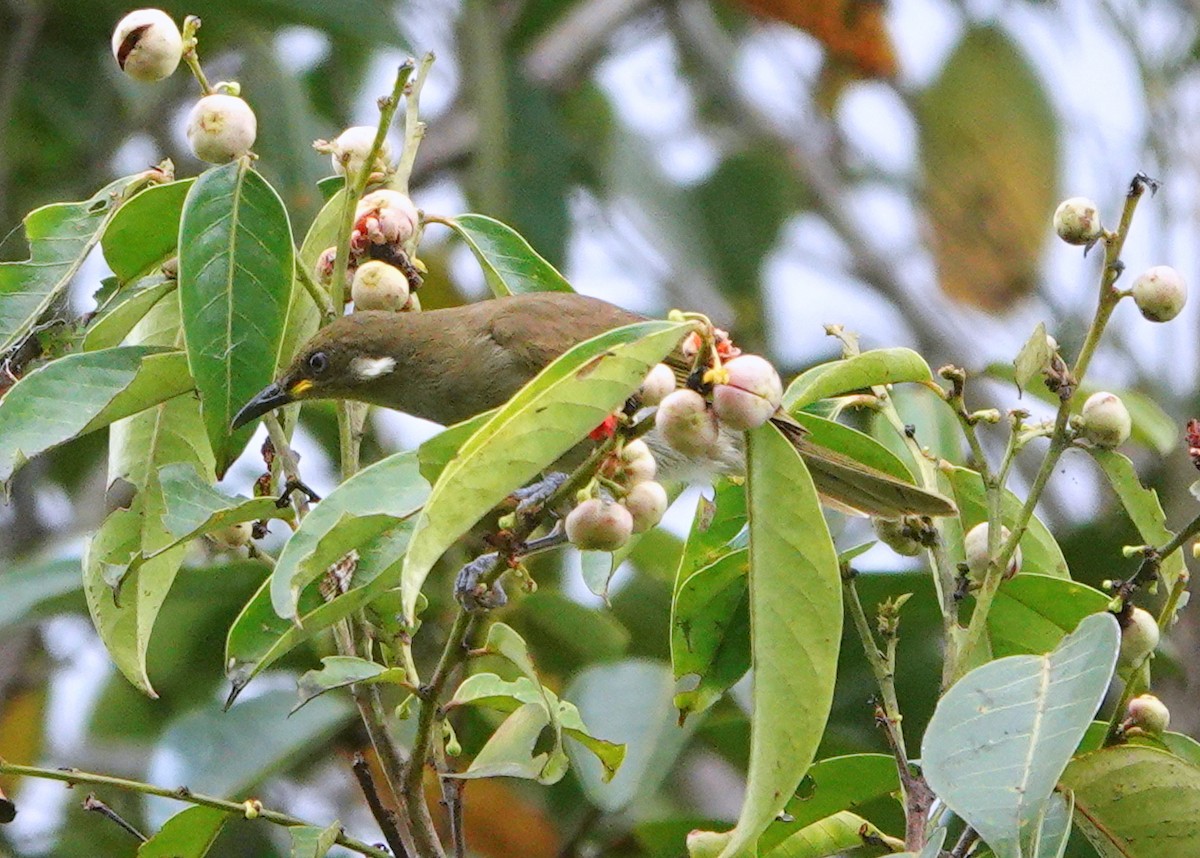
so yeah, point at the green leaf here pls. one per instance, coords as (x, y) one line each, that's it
(192, 507)
(36, 589)
(1033, 613)
(303, 316)
(187, 834)
(795, 630)
(1055, 828)
(60, 237)
(436, 453)
(832, 786)
(1136, 802)
(877, 367)
(857, 445)
(339, 671)
(629, 702)
(229, 753)
(832, 835)
(144, 232)
(510, 265)
(311, 842)
(1033, 357)
(116, 318)
(1002, 735)
(1143, 508)
(710, 631)
(371, 502)
(1039, 549)
(511, 752)
(259, 637)
(82, 392)
(235, 281)
(542, 421)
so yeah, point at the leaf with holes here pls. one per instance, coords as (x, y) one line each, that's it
(235, 282)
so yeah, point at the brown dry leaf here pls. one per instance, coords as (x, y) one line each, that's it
(989, 154)
(853, 32)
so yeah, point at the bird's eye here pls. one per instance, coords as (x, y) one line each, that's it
(318, 363)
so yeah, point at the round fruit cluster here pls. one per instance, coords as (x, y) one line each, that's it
(631, 501)
(380, 274)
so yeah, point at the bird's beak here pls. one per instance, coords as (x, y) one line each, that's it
(268, 399)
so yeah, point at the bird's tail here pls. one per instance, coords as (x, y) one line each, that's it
(849, 485)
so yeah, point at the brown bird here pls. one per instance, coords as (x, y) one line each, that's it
(450, 365)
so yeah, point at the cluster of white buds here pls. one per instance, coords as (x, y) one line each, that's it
(636, 502)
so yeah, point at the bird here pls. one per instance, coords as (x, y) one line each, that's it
(448, 365)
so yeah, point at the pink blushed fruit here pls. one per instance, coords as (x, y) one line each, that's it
(659, 383)
(647, 502)
(750, 393)
(599, 525)
(685, 422)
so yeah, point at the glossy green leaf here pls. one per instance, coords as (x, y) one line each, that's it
(832, 835)
(373, 501)
(1002, 735)
(542, 421)
(34, 589)
(710, 631)
(1039, 549)
(718, 527)
(511, 752)
(832, 786)
(436, 453)
(630, 704)
(1142, 506)
(311, 842)
(510, 265)
(235, 282)
(144, 232)
(60, 236)
(879, 366)
(193, 507)
(1032, 613)
(795, 630)
(259, 637)
(188, 834)
(303, 316)
(340, 671)
(857, 445)
(82, 392)
(1136, 802)
(229, 753)
(116, 318)
(1033, 358)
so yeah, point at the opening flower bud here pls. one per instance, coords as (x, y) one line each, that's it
(1160, 293)
(1148, 714)
(147, 45)
(1077, 221)
(647, 502)
(1139, 638)
(350, 150)
(636, 464)
(975, 546)
(750, 394)
(220, 128)
(1105, 420)
(684, 421)
(383, 217)
(659, 382)
(599, 525)
(379, 286)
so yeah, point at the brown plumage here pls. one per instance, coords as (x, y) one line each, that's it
(449, 365)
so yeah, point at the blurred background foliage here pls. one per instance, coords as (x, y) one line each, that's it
(780, 164)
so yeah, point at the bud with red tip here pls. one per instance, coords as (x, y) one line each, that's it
(1147, 715)
(383, 218)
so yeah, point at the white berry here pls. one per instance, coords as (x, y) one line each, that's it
(1139, 638)
(659, 382)
(685, 422)
(1148, 714)
(1077, 221)
(975, 546)
(637, 464)
(220, 128)
(379, 286)
(750, 394)
(147, 45)
(1105, 420)
(353, 145)
(647, 502)
(1160, 293)
(599, 525)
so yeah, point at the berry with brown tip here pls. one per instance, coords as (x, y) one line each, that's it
(1077, 221)
(147, 45)
(1139, 638)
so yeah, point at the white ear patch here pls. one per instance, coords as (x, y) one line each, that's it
(365, 368)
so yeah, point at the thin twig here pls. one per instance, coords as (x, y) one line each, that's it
(452, 797)
(965, 843)
(95, 805)
(391, 833)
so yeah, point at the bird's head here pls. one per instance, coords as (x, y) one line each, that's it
(343, 361)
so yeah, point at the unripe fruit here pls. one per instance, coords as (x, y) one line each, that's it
(354, 144)
(647, 502)
(147, 45)
(379, 286)
(659, 382)
(383, 217)
(1160, 293)
(1148, 714)
(750, 394)
(233, 536)
(1077, 221)
(897, 535)
(637, 464)
(220, 128)
(1105, 420)
(684, 421)
(1138, 639)
(975, 546)
(599, 525)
